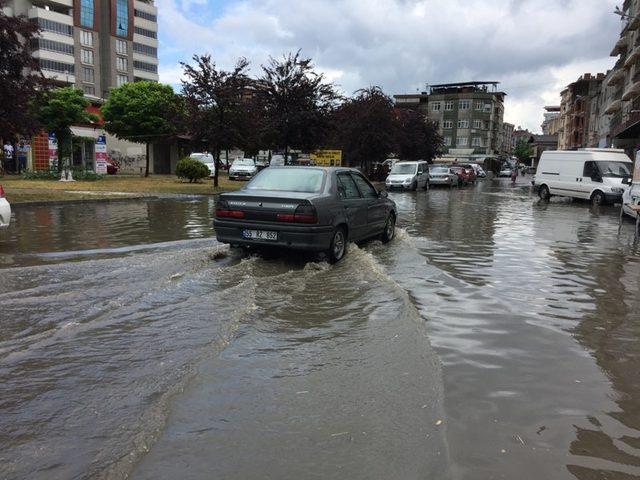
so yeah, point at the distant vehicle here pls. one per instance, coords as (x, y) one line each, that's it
(505, 171)
(277, 161)
(317, 209)
(390, 162)
(471, 173)
(112, 166)
(463, 175)
(480, 173)
(5, 210)
(242, 169)
(408, 175)
(261, 163)
(207, 159)
(443, 175)
(596, 174)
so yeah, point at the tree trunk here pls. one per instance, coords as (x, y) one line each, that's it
(215, 175)
(146, 171)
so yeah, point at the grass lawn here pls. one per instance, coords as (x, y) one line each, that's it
(19, 190)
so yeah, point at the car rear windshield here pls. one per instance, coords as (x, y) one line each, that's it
(614, 169)
(404, 169)
(244, 161)
(201, 157)
(288, 180)
(439, 170)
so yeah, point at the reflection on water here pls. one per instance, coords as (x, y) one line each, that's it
(496, 337)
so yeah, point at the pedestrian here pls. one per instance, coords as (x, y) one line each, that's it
(21, 156)
(514, 175)
(8, 156)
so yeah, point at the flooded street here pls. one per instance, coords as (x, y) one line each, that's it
(496, 337)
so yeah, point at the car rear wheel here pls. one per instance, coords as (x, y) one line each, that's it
(338, 246)
(389, 229)
(544, 193)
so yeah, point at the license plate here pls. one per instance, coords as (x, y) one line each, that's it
(260, 235)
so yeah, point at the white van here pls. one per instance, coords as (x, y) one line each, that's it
(207, 159)
(594, 174)
(408, 175)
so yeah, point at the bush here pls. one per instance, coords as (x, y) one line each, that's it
(80, 173)
(191, 169)
(51, 174)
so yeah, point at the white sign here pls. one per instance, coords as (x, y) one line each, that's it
(101, 155)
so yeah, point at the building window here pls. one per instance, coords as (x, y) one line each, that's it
(479, 106)
(447, 141)
(447, 124)
(448, 106)
(86, 38)
(146, 33)
(476, 141)
(121, 80)
(86, 56)
(55, 27)
(145, 49)
(86, 13)
(121, 64)
(89, 89)
(462, 141)
(122, 18)
(477, 124)
(147, 67)
(463, 123)
(464, 104)
(43, 44)
(147, 16)
(435, 107)
(487, 108)
(54, 66)
(88, 75)
(121, 47)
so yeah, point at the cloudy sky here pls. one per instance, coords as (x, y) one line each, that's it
(533, 47)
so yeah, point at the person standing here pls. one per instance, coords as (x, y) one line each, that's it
(21, 156)
(8, 156)
(514, 174)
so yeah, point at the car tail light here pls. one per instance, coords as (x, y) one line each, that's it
(223, 211)
(1, 192)
(305, 213)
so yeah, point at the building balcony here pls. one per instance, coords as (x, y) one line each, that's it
(634, 22)
(632, 87)
(613, 107)
(143, 74)
(633, 56)
(37, 12)
(616, 76)
(620, 45)
(66, 78)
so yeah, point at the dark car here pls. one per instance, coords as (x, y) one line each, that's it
(316, 209)
(112, 166)
(471, 173)
(463, 175)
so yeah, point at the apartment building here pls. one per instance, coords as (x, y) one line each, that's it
(507, 137)
(575, 111)
(551, 113)
(469, 115)
(93, 44)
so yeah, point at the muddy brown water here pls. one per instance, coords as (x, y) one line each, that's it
(495, 337)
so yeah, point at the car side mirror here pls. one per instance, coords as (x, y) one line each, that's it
(383, 194)
(627, 181)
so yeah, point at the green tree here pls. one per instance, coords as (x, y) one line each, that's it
(417, 138)
(523, 151)
(142, 112)
(60, 109)
(218, 105)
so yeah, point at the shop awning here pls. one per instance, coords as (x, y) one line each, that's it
(86, 132)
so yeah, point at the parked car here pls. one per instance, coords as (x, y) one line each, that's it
(112, 166)
(463, 175)
(596, 174)
(277, 161)
(471, 173)
(262, 163)
(479, 171)
(316, 209)
(207, 159)
(505, 171)
(5, 209)
(408, 175)
(242, 169)
(443, 175)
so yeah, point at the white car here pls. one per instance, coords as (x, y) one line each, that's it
(5, 209)
(408, 175)
(242, 169)
(631, 196)
(480, 173)
(207, 159)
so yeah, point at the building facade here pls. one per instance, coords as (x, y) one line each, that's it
(507, 138)
(551, 113)
(575, 111)
(468, 115)
(94, 45)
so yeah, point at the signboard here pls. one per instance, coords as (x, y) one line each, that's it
(101, 155)
(327, 158)
(53, 151)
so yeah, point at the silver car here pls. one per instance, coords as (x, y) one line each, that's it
(317, 209)
(442, 175)
(408, 176)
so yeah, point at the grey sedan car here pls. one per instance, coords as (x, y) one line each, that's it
(306, 208)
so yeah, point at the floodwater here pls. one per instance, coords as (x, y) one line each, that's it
(495, 337)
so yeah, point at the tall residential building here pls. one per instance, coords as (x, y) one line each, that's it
(507, 138)
(550, 114)
(575, 111)
(93, 44)
(469, 115)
